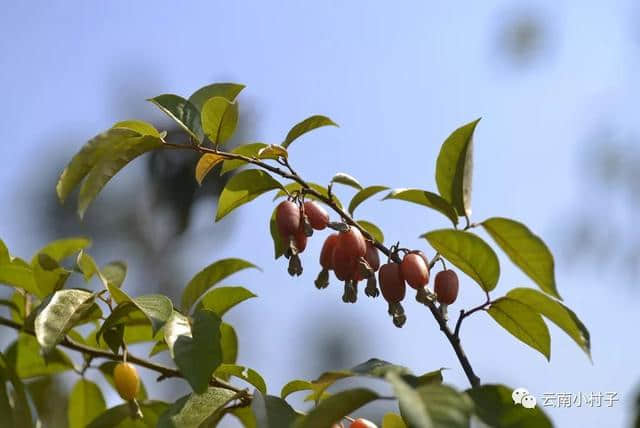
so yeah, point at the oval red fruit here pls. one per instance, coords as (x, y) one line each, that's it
(326, 254)
(446, 286)
(317, 215)
(344, 263)
(353, 242)
(362, 423)
(288, 219)
(414, 270)
(300, 240)
(372, 257)
(391, 282)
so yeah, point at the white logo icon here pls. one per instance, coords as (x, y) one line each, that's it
(521, 396)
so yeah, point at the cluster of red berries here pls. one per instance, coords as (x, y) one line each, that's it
(353, 258)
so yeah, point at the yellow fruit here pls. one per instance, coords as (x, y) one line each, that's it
(127, 381)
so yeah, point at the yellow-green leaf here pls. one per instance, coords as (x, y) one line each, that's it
(242, 188)
(363, 195)
(219, 119)
(205, 165)
(184, 113)
(305, 126)
(427, 199)
(85, 404)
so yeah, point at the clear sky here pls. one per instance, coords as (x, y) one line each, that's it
(398, 78)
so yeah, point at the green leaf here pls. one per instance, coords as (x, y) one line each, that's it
(296, 187)
(494, 406)
(139, 126)
(114, 273)
(245, 373)
(242, 188)
(557, 313)
(19, 276)
(124, 313)
(347, 180)
(363, 195)
(309, 124)
(157, 308)
(372, 229)
(393, 420)
(120, 416)
(62, 312)
(219, 119)
(427, 199)
(87, 265)
(221, 299)
(273, 151)
(278, 246)
(469, 253)
(160, 346)
(49, 275)
(198, 355)
(454, 168)
(85, 404)
(193, 410)
(107, 369)
(178, 325)
(272, 412)
(182, 112)
(295, 386)
(447, 407)
(60, 249)
(112, 161)
(523, 323)
(15, 407)
(226, 90)
(89, 156)
(24, 356)
(205, 165)
(526, 250)
(412, 406)
(210, 276)
(245, 416)
(4, 253)
(334, 408)
(250, 150)
(228, 343)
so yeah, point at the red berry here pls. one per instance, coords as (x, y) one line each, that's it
(343, 261)
(300, 239)
(391, 282)
(353, 242)
(415, 270)
(362, 423)
(446, 286)
(317, 215)
(372, 256)
(326, 254)
(288, 219)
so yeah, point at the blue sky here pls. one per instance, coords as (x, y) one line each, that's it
(398, 79)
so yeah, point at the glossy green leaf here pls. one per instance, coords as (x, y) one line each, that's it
(49, 275)
(393, 420)
(221, 299)
(372, 229)
(5, 258)
(198, 355)
(112, 161)
(192, 410)
(295, 386)
(447, 407)
(347, 180)
(89, 156)
(273, 151)
(86, 265)
(19, 276)
(14, 405)
(469, 253)
(250, 150)
(454, 168)
(245, 416)
(226, 90)
(363, 195)
(523, 323)
(555, 312)
(85, 404)
(25, 357)
(526, 250)
(120, 416)
(182, 112)
(157, 307)
(245, 373)
(205, 164)
(219, 119)
(494, 406)
(107, 369)
(242, 188)
(427, 199)
(114, 273)
(412, 406)
(309, 124)
(209, 277)
(62, 312)
(228, 343)
(139, 126)
(272, 412)
(122, 314)
(335, 407)
(60, 249)
(178, 325)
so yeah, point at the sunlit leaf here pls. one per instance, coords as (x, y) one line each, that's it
(347, 180)
(296, 187)
(555, 312)
(469, 253)
(120, 416)
(242, 188)
(278, 245)
(273, 151)
(182, 112)
(363, 195)
(454, 168)
(193, 410)
(209, 277)
(205, 165)
(4, 253)
(250, 150)
(245, 373)
(219, 119)
(226, 90)
(295, 386)
(85, 404)
(25, 357)
(523, 323)
(178, 325)
(60, 249)
(15, 407)
(229, 343)
(372, 229)
(494, 406)
(427, 199)
(114, 273)
(19, 276)
(334, 408)
(139, 126)
(220, 300)
(526, 250)
(309, 124)
(393, 420)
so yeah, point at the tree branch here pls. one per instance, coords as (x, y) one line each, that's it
(454, 340)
